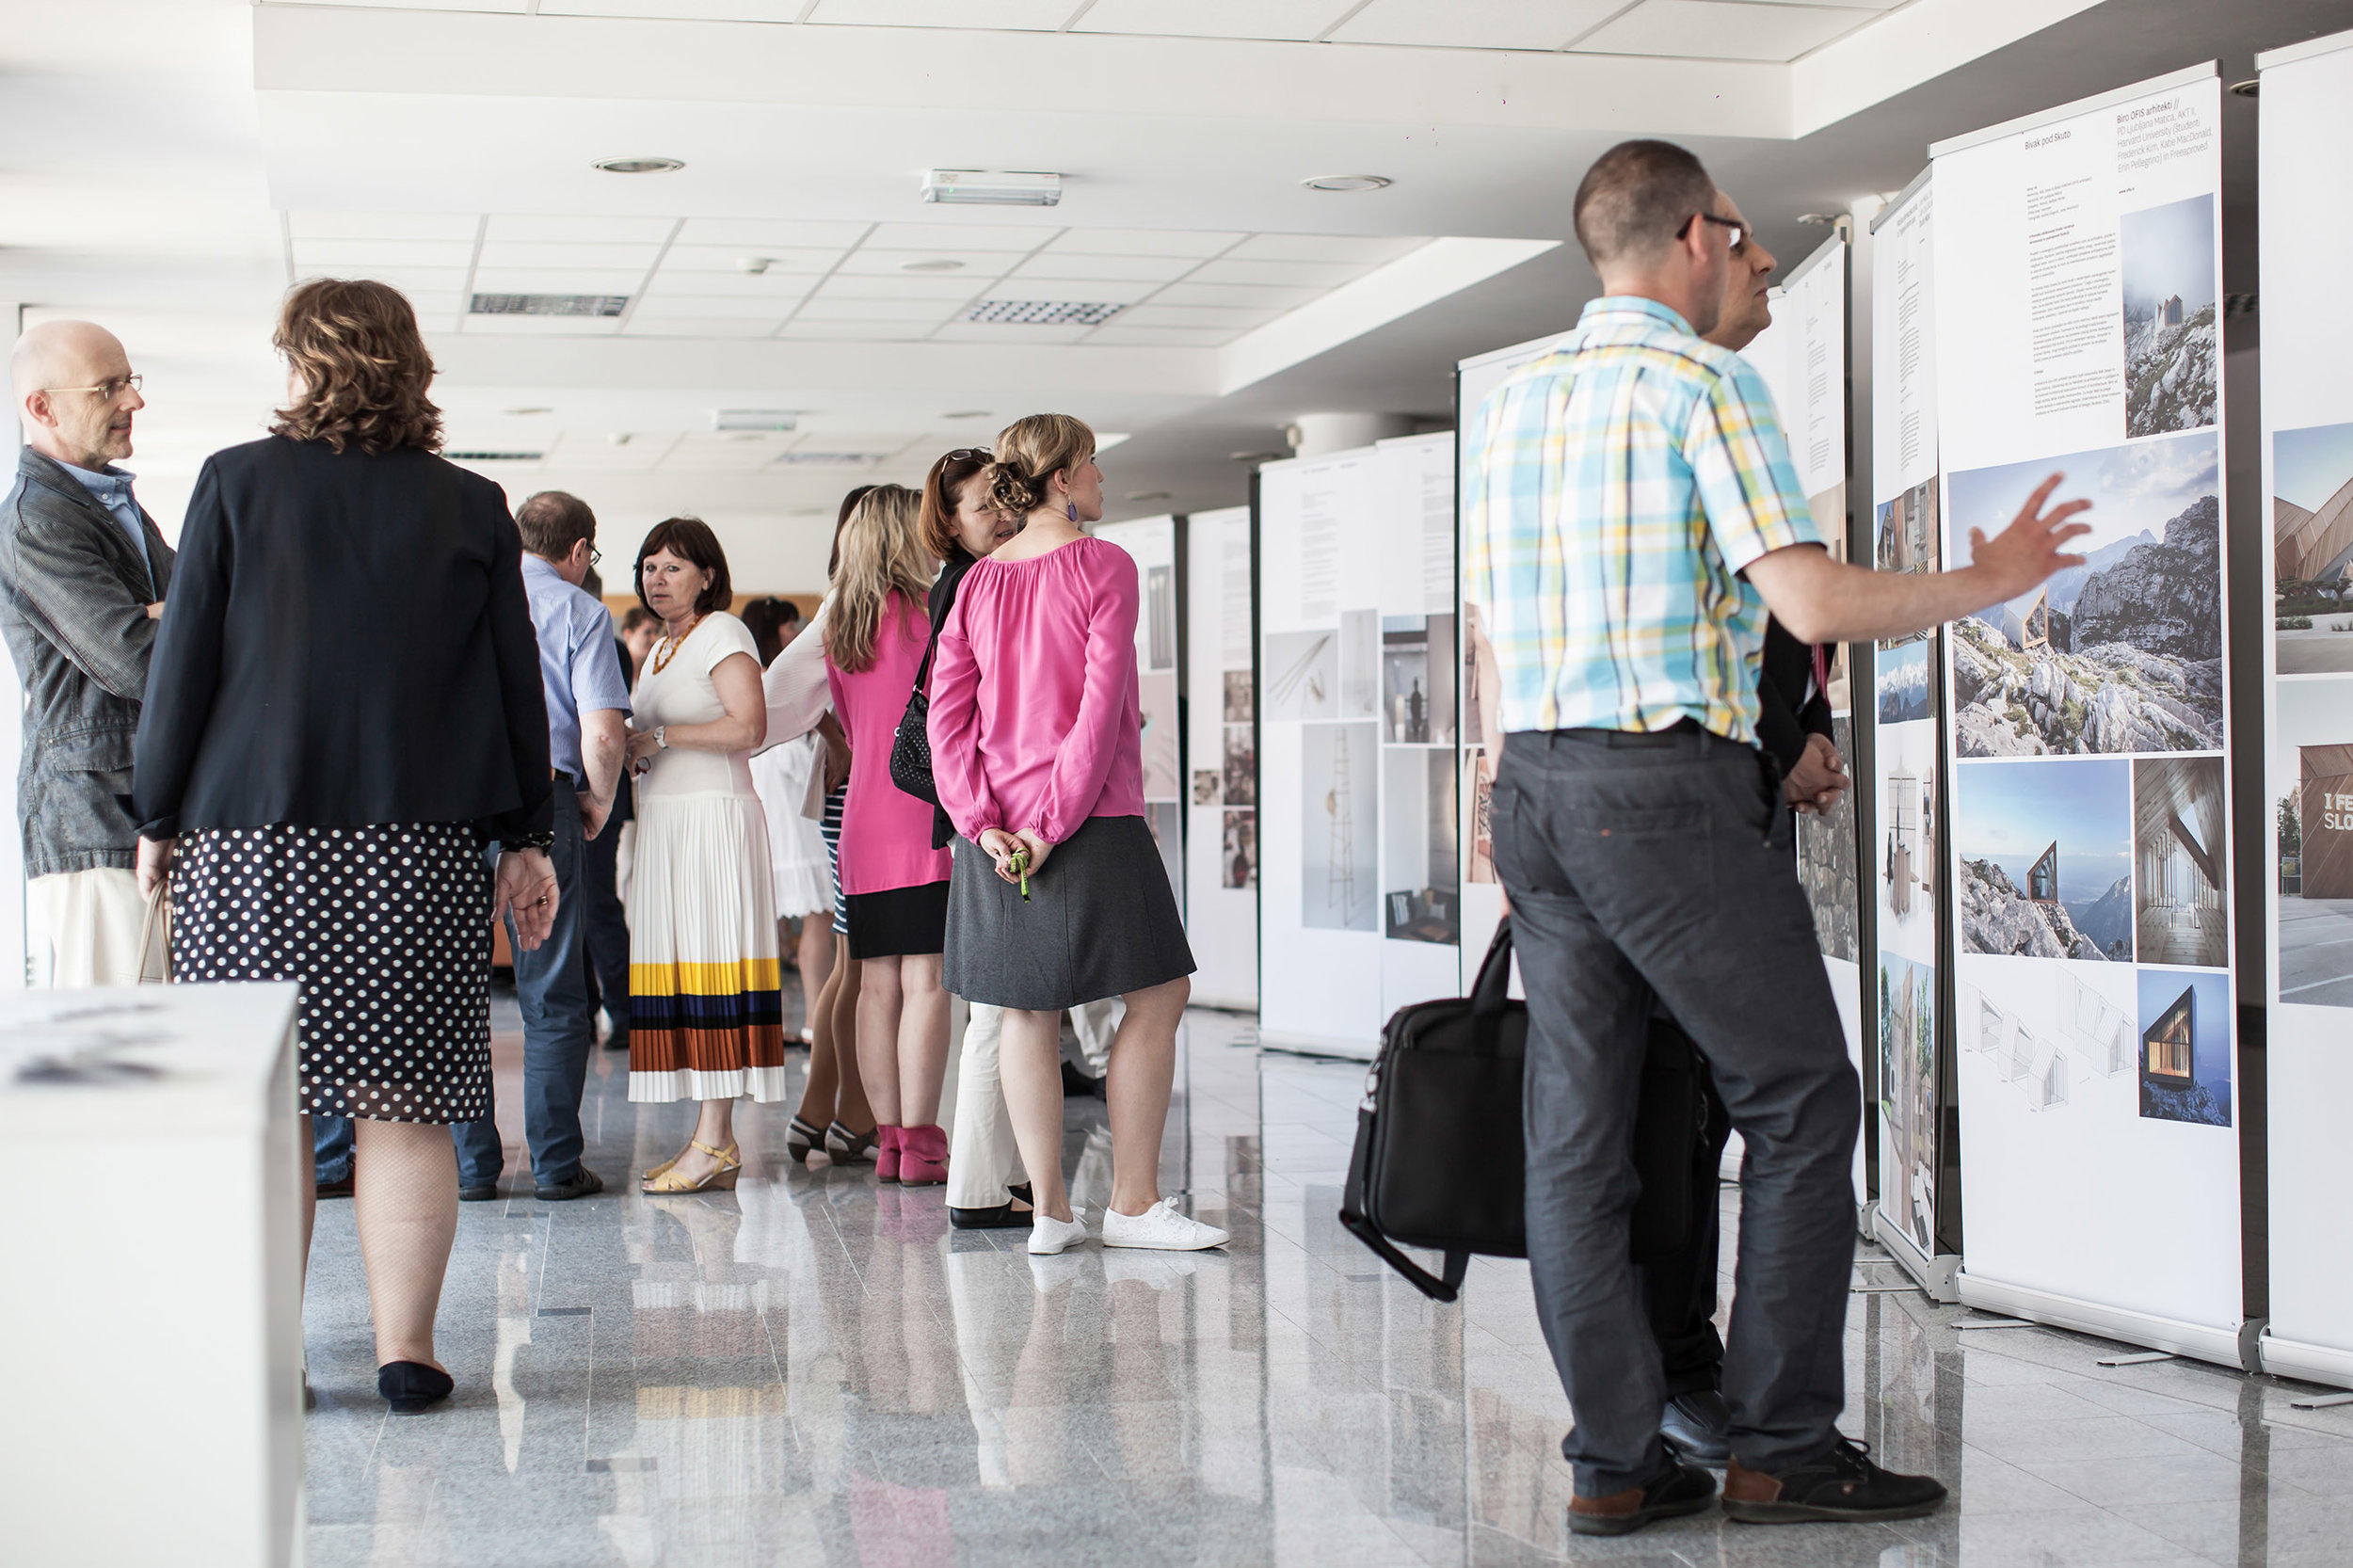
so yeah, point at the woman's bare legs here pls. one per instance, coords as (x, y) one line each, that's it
(1028, 1064)
(405, 1204)
(852, 1109)
(879, 1003)
(824, 1070)
(1143, 1066)
(715, 1127)
(816, 958)
(922, 1039)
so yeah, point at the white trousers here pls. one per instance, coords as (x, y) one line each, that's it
(86, 926)
(984, 1160)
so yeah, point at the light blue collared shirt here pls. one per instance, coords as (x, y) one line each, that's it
(578, 670)
(111, 488)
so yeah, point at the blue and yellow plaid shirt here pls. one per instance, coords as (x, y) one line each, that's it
(1620, 484)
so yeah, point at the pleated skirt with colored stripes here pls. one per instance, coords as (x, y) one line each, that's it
(706, 1016)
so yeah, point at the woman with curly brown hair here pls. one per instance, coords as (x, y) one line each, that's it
(344, 710)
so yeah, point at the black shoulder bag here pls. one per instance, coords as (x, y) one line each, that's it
(911, 746)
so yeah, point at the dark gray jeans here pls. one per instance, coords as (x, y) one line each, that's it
(1660, 865)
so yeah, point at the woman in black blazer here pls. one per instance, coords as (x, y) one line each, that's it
(342, 710)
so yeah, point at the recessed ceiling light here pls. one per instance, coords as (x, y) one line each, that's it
(753, 265)
(938, 263)
(1147, 495)
(991, 187)
(1348, 181)
(518, 413)
(965, 413)
(641, 166)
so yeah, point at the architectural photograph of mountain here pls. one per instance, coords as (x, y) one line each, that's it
(1901, 675)
(1904, 536)
(2171, 350)
(1826, 863)
(2312, 549)
(2185, 1046)
(2046, 859)
(2181, 866)
(2121, 654)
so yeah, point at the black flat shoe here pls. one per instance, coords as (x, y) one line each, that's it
(411, 1387)
(1003, 1216)
(1677, 1490)
(1076, 1084)
(583, 1183)
(1697, 1429)
(480, 1192)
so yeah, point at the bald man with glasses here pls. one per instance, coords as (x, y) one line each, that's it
(83, 575)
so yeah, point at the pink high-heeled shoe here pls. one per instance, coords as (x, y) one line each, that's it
(922, 1156)
(886, 1152)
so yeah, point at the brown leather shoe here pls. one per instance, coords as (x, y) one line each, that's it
(1677, 1490)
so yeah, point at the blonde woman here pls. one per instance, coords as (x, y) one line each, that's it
(1037, 754)
(894, 884)
(706, 1005)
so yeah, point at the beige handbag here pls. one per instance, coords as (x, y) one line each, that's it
(155, 935)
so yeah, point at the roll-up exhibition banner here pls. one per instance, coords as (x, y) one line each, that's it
(1151, 543)
(2307, 109)
(2078, 259)
(1802, 357)
(1908, 758)
(1221, 750)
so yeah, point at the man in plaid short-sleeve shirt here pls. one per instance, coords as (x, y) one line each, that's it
(1634, 514)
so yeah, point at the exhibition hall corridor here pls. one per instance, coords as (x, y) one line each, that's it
(814, 1369)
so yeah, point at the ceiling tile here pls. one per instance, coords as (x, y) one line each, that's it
(410, 281)
(1721, 30)
(1028, 16)
(1273, 18)
(500, 279)
(1116, 336)
(661, 302)
(782, 235)
(510, 8)
(1354, 249)
(878, 310)
(311, 255)
(525, 253)
(989, 331)
(723, 451)
(856, 331)
(450, 304)
(542, 326)
(400, 226)
(1195, 317)
(891, 264)
(679, 11)
(904, 286)
(744, 286)
(1200, 243)
(605, 229)
(1302, 275)
(589, 451)
(1084, 290)
(729, 258)
(960, 236)
(641, 326)
(1150, 269)
(1476, 23)
(1264, 295)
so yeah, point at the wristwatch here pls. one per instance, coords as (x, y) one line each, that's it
(661, 737)
(542, 841)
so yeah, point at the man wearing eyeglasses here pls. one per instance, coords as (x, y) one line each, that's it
(1634, 513)
(587, 723)
(83, 575)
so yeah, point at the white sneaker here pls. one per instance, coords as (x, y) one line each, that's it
(1159, 1227)
(1049, 1235)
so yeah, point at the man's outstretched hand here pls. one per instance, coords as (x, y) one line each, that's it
(2024, 555)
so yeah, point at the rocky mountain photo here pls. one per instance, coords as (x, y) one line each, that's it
(1998, 917)
(2134, 667)
(2171, 357)
(2169, 373)
(2107, 920)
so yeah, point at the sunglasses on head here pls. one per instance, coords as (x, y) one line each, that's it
(980, 454)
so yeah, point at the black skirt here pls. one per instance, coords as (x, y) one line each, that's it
(1102, 921)
(898, 920)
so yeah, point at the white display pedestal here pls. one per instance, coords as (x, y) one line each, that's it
(152, 1293)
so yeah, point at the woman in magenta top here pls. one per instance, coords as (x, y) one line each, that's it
(1036, 740)
(894, 885)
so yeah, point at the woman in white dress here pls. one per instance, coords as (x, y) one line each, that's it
(706, 1013)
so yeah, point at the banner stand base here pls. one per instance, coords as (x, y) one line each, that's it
(2295, 1358)
(1319, 1045)
(1867, 1214)
(2221, 1347)
(1934, 1274)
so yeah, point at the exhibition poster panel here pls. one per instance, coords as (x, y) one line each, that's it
(1481, 741)
(1421, 870)
(2306, 107)
(1319, 908)
(1908, 761)
(1151, 542)
(1802, 357)
(2079, 258)
(1222, 839)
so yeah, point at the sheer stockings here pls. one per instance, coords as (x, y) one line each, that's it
(405, 1204)
(902, 1037)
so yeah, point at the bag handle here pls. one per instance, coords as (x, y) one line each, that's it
(1457, 1263)
(1491, 993)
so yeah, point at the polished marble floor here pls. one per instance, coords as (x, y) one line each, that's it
(814, 1370)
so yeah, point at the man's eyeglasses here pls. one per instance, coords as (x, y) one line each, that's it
(1741, 231)
(107, 390)
(596, 556)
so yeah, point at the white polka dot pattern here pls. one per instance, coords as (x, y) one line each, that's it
(388, 931)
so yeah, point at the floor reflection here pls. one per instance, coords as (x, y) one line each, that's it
(815, 1370)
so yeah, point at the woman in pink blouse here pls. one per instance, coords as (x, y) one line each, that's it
(1037, 755)
(894, 885)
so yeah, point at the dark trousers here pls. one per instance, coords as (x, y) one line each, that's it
(1679, 1290)
(1657, 869)
(608, 926)
(559, 1030)
(330, 1147)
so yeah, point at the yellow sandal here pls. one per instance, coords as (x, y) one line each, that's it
(663, 1179)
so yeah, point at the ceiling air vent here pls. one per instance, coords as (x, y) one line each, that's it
(755, 419)
(494, 457)
(548, 304)
(1042, 312)
(829, 459)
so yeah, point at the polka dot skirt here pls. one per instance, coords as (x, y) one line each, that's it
(388, 930)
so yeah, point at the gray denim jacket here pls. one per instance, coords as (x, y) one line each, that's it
(73, 598)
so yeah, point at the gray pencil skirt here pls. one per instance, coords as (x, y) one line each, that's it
(1101, 920)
